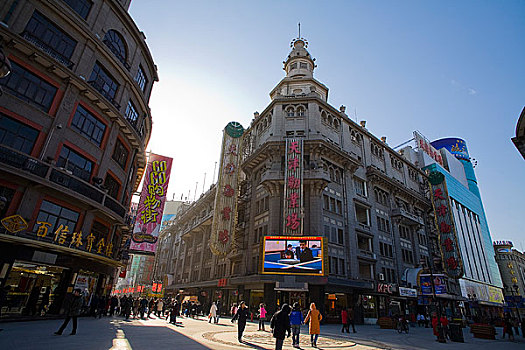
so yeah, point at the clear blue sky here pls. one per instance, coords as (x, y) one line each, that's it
(445, 68)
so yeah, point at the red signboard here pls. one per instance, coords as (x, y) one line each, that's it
(293, 188)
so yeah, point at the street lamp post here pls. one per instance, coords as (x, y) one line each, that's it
(440, 335)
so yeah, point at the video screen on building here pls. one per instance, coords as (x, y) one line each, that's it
(293, 255)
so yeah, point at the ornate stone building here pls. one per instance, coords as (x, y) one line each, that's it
(74, 124)
(369, 201)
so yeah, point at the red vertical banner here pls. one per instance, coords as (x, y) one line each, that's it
(151, 204)
(447, 238)
(225, 213)
(293, 188)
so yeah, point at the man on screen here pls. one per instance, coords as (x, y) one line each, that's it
(303, 253)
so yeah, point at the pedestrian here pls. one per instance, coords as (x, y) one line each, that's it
(174, 311)
(280, 324)
(113, 305)
(151, 307)
(420, 320)
(262, 316)
(101, 306)
(351, 318)
(314, 317)
(516, 324)
(444, 325)
(136, 307)
(233, 309)
(218, 304)
(160, 308)
(241, 316)
(508, 327)
(143, 306)
(126, 304)
(344, 321)
(213, 313)
(72, 306)
(296, 320)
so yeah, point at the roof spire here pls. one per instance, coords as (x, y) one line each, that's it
(299, 30)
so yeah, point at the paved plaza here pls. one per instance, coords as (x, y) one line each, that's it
(192, 334)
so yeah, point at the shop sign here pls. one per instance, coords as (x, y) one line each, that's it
(225, 218)
(426, 147)
(407, 292)
(82, 282)
(222, 282)
(151, 204)
(447, 237)
(332, 297)
(293, 188)
(503, 243)
(14, 223)
(440, 284)
(386, 288)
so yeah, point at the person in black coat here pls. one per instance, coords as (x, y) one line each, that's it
(72, 306)
(280, 325)
(303, 253)
(241, 316)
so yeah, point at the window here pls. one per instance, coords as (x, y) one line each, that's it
(115, 42)
(386, 249)
(293, 66)
(389, 275)
(362, 215)
(408, 256)
(101, 80)
(99, 231)
(120, 154)
(339, 207)
(112, 186)
(141, 79)
(81, 7)
(300, 111)
(413, 175)
(290, 112)
(303, 65)
(364, 243)
(16, 135)
(9, 12)
(88, 125)
(326, 202)
(381, 196)
(383, 224)
(56, 215)
(50, 38)
(422, 239)
(376, 150)
(360, 187)
(29, 87)
(131, 113)
(332, 204)
(354, 135)
(396, 163)
(79, 165)
(404, 232)
(340, 236)
(366, 270)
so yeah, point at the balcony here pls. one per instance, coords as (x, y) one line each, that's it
(99, 86)
(47, 49)
(406, 217)
(22, 163)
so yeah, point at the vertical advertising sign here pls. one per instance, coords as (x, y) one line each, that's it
(447, 237)
(293, 188)
(151, 204)
(424, 145)
(225, 213)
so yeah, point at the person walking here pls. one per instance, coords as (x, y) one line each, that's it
(280, 324)
(296, 320)
(113, 305)
(160, 308)
(218, 304)
(344, 320)
(101, 306)
(262, 316)
(233, 309)
(351, 318)
(72, 306)
(241, 316)
(314, 317)
(213, 313)
(143, 307)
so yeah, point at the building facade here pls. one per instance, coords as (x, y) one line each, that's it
(511, 263)
(74, 124)
(519, 139)
(367, 200)
(481, 285)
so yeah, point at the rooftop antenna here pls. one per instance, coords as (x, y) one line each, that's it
(204, 183)
(299, 24)
(195, 194)
(214, 172)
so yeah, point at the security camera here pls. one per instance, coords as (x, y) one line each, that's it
(59, 126)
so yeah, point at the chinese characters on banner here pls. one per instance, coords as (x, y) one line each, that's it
(293, 188)
(225, 213)
(151, 204)
(426, 147)
(447, 238)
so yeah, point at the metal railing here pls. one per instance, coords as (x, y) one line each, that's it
(48, 49)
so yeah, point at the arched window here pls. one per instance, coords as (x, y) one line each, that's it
(330, 119)
(290, 112)
(332, 176)
(116, 44)
(300, 111)
(323, 116)
(336, 123)
(337, 176)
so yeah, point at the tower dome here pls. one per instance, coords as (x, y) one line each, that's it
(299, 62)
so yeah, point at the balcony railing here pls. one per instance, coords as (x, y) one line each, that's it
(99, 86)
(45, 47)
(408, 217)
(26, 164)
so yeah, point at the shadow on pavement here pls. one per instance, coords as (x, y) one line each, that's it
(149, 337)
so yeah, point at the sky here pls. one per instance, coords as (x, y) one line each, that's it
(444, 68)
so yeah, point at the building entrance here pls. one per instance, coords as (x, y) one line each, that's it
(291, 297)
(31, 288)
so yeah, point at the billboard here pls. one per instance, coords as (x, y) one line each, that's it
(292, 255)
(440, 284)
(151, 204)
(455, 145)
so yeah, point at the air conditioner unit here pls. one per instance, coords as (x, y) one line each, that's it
(381, 277)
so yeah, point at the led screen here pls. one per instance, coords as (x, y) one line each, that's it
(293, 255)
